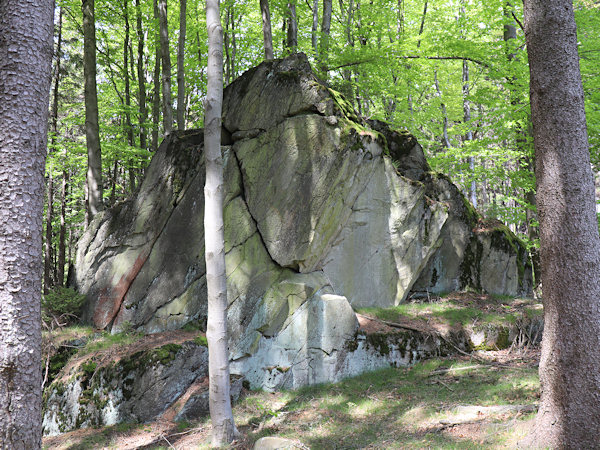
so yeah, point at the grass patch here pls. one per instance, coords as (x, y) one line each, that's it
(391, 408)
(104, 340)
(460, 310)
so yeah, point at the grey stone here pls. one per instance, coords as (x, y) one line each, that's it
(277, 443)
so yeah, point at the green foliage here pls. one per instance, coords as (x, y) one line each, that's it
(383, 57)
(63, 301)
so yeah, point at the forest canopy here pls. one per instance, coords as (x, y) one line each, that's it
(453, 73)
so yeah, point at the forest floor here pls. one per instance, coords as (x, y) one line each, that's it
(481, 400)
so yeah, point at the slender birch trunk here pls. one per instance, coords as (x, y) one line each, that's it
(224, 430)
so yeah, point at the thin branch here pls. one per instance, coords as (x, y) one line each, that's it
(460, 58)
(518, 21)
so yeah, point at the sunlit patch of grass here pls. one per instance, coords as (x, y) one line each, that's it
(104, 340)
(457, 312)
(392, 408)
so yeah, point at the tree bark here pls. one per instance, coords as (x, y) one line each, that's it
(141, 77)
(224, 430)
(26, 32)
(266, 27)
(325, 31)
(469, 134)
(53, 139)
(291, 42)
(166, 67)
(157, 84)
(445, 139)
(315, 28)
(180, 66)
(92, 130)
(569, 411)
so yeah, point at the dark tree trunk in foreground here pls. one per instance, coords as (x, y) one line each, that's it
(569, 412)
(166, 67)
(266, 27)
(92, 130)
(224, 430)
(25, 62)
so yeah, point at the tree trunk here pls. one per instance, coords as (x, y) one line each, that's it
(48, 240)
(180, 66)
(157, 84)
(128, 126)
(325, 31)
(569, 411)
(315, 28)
(224, 430)
(445, 139)
(291, 42)
(266, 27)
(92, 130)
(469, 134)
(166, 67)
(50, 186)
(26, 40)
(60, 273)
(141, 76)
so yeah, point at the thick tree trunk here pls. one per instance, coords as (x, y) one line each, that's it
(266, 27)
(569, 411)
(166, 67)
(224, 430)
(26, 47)
(180, 66)
(141, 77)
(92, 130)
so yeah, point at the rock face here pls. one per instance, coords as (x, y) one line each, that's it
(323, 212)
(137, 388)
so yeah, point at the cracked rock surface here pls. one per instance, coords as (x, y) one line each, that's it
(323, 211)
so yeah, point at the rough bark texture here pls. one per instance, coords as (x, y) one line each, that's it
(25, 59)
(92, 130)
(569, 412)
(224, 430)
(266, 27)
(180, 66)
(166, 67)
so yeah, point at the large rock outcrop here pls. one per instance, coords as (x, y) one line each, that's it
(323, 211)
